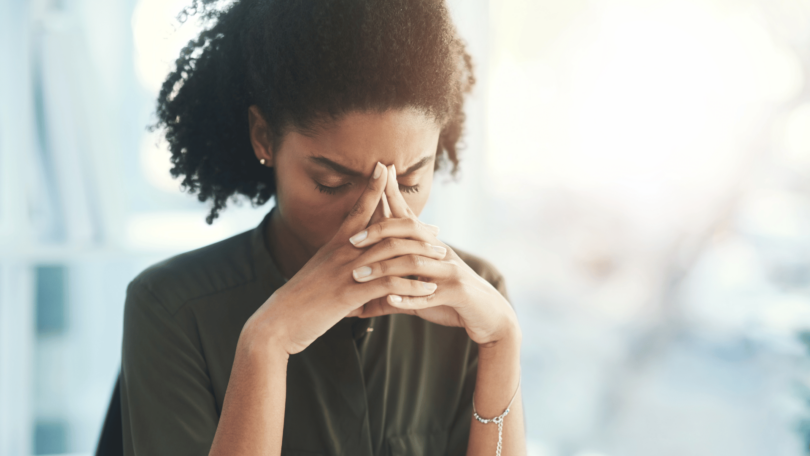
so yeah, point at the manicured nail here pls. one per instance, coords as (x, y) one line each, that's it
(393, 171)
(378, 170)
(439, 249)
(431, 287)
(358, 237)
(359, 273)
(433, 228)
(395, 298)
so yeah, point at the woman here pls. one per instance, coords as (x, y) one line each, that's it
(263, 343)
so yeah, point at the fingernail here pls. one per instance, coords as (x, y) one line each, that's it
(439, 249)
(378, 170)
(358, 237)
(395, 298)
(393, 171)
(433, 228)
(361, 272)
(431, 287)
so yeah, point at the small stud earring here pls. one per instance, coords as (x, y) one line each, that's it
(261, 160)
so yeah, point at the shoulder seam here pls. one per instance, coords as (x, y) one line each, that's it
(146, 287)
(221, 290)
(180, 331)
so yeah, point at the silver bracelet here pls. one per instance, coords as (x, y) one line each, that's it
(498, 419)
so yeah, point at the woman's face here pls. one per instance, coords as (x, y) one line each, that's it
(319, 177)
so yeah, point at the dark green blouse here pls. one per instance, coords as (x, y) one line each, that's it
(390, 385)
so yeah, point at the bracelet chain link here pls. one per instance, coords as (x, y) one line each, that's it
(498, 419)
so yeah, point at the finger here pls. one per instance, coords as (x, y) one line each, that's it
(406, 228)
(413, 303)
(376, 308)
(361, 213)
(386, 206)
(407, 265)
(382, 211)
(409, 304)
(396, 247)
(387, 285)
(399, 207)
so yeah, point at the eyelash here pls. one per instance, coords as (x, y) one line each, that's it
(329, 190)
(335, 190)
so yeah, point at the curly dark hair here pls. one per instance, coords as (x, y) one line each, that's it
(301, 63)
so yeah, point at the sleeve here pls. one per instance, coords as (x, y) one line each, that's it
(459, 435)
(167, 404)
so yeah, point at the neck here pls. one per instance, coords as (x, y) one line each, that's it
(289, 252)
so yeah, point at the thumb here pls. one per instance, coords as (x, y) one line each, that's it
(381, 212)
(358, 218)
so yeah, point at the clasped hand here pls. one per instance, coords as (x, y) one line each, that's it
(394, 264)
(402, 246)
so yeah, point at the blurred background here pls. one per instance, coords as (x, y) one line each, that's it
(638, 170)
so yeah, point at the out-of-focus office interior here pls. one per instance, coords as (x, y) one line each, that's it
(638, 170)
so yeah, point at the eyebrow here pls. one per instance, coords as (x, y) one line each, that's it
(337, 167)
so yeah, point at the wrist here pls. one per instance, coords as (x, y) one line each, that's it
(510, 338)
(498, 375)
(260, 342)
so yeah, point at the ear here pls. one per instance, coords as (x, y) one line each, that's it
(260, 136)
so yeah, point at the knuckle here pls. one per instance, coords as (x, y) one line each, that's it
(417, 286)
(415, 261)
(392, 244)
(383, 268)
(388, 282)
(376, 230)
(462, 287)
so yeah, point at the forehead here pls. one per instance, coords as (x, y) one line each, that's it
(360, 139)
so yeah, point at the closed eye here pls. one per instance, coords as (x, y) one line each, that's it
(331, 190)
(409, 188)
(335, 190)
